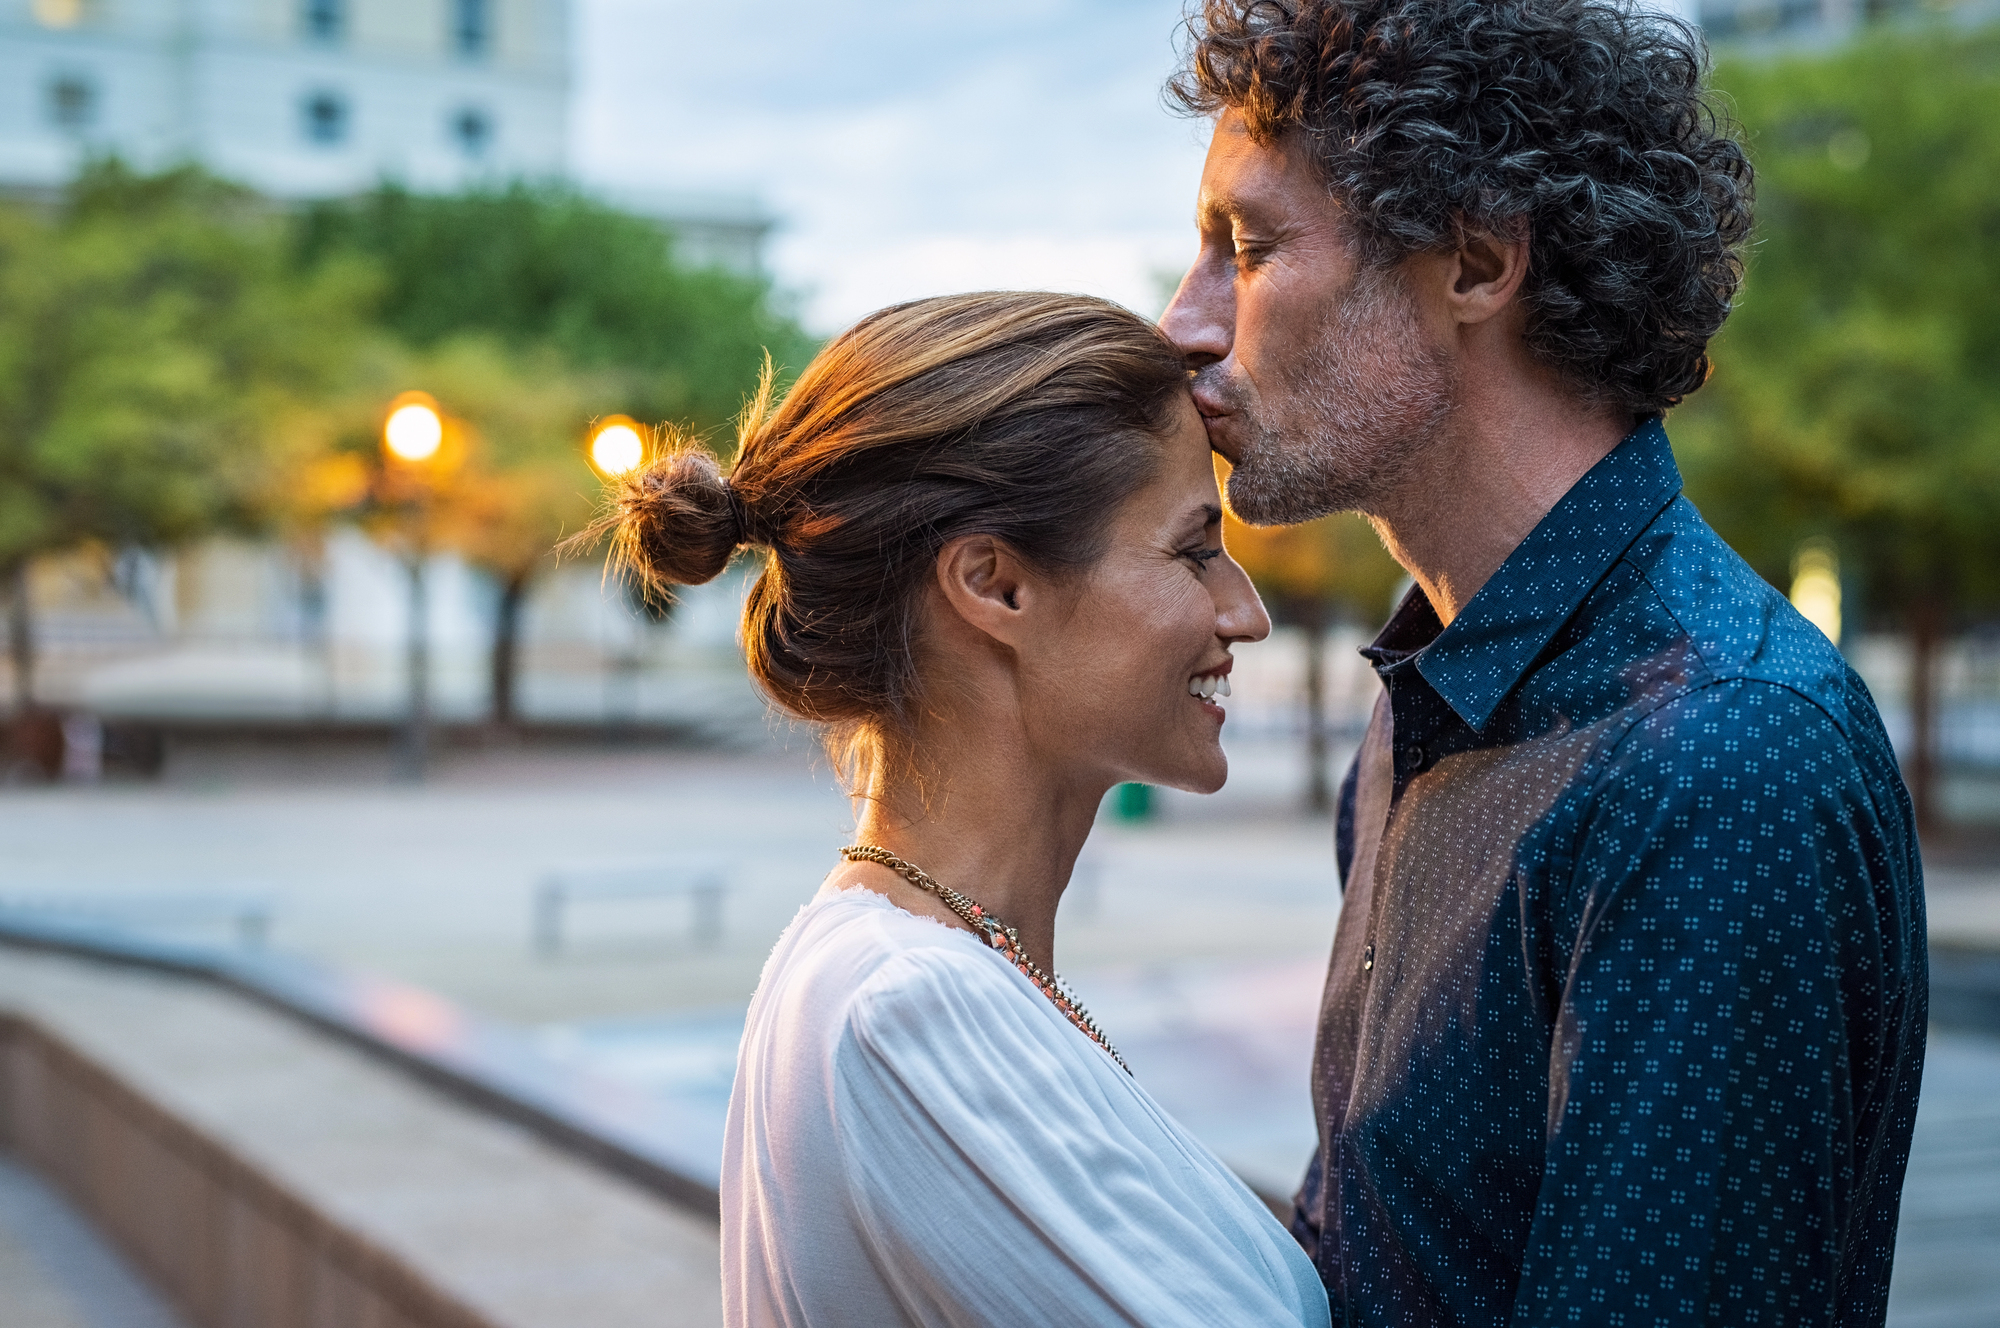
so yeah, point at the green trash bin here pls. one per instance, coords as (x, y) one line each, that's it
(1134, 802)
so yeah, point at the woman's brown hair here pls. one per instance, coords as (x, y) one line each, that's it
(1027, 417)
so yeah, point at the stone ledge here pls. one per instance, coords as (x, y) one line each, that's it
(264, 1174)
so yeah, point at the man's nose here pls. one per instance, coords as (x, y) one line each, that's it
(1200, 318)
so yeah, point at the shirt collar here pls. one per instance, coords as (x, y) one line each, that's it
(1479, 658)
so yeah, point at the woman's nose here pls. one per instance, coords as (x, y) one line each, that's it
(1239, 612)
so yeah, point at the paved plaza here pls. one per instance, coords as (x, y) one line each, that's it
(435, 883)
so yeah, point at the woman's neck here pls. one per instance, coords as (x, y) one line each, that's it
(991, 826)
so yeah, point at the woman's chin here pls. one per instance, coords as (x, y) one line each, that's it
(1205, 776)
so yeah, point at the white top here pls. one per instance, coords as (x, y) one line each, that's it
(918, 1136)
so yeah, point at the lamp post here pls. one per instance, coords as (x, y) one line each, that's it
(412, 437)
(618, 447)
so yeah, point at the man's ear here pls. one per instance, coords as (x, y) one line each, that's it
(986, 585)
(1485, 272)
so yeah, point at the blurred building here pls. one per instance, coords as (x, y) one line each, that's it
(258, 632)
(315, 98)
(297, 98)
(1812, 22)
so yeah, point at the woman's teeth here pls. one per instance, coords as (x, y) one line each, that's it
(1208, 685)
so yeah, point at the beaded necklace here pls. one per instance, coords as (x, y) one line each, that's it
(997, 934)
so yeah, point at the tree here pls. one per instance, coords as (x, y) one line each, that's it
(532, 310)
(1311, 577)
(158, 351)
(547, 266)
(510, 482)
(1855, 395)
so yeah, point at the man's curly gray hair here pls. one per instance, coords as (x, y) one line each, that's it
(1584, 125)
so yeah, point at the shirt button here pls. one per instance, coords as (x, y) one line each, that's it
(1368, 957)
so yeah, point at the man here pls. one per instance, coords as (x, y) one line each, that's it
(1625, 1017)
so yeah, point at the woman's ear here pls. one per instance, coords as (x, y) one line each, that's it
(986, 585)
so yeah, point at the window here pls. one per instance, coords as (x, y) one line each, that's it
(325, 20)
(72, 101)
(474, 131)
(58, 13)
(325, 118)
(471, 26)
(1756, 18)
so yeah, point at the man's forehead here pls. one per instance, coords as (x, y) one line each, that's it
(1245, 175)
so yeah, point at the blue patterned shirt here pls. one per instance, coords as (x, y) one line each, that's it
(1626, 1011)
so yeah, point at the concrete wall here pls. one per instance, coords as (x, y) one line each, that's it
(224, 1242)
(263, 1175)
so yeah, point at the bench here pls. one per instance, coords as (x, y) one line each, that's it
(702, 883)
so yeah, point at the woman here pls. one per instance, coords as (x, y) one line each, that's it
(996, 576)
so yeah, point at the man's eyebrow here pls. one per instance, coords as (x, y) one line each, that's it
(1212, 209)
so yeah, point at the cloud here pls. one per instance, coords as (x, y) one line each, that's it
(909, 148)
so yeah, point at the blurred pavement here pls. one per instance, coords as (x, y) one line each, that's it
(434, 883)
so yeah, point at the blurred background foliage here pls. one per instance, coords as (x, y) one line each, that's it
(180, 357)
(1314, 577)
(545, 266)
(160, 356)
(1856, 391)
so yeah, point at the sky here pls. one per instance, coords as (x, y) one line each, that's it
(908, 147)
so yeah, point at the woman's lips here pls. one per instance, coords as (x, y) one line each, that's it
(1210, 683)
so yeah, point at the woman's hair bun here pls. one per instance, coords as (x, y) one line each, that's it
(674, 522)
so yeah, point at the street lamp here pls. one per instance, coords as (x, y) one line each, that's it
(617, 445)
(1816, 586)
(414, 430)
(412, 436)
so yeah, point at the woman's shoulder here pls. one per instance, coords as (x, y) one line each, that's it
(858, 927)
(853, 948)
(888, 986)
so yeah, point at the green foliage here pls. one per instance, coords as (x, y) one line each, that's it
(157, 348)
(1313, 574)
(1857, 386)
(544, 265)
(179, 356)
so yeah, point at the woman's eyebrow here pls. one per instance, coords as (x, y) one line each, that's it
(1201, 518)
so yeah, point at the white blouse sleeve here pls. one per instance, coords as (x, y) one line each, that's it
(1005, 1175)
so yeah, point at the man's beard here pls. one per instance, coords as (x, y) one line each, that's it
(1348, 420)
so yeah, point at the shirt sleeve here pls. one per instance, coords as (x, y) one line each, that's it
(1002, 1180)
(1740, 1029)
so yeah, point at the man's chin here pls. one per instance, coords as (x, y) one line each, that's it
(1258, 503)
(1261, 498)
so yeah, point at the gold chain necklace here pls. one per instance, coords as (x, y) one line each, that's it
(997, 934)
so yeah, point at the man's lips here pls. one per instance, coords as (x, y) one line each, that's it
(1221, 433)
(1209, 406)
